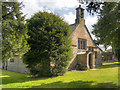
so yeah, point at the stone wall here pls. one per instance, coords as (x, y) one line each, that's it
(82, 59)
(80, 32)
(73, 62)
(17, 66)
(99, 59)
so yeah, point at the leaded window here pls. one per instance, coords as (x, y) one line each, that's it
(81, 44)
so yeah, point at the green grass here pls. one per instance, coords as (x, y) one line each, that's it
(105, 76)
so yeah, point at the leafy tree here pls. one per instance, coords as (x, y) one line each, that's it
(50, 45)
(107, 54)
(107, 30)
(14, 31)
(94, 7)
(0, 33)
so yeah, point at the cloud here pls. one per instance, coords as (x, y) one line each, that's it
(89, 21)
(33, 6)
(70, 18)
(58, 4)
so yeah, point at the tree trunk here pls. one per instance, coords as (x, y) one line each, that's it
(6, 65)
(3, 65)
(44, 69)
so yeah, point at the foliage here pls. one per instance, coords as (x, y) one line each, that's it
(117, 53)
(94, 7)
(81, 67)
(50, 45)
(105, 76)
(107, 53)
(107, 29)
(13, 30)
(109, 21)
(96, 42)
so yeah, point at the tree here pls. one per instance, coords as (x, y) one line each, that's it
(94, 7)
(14, 31)
(107, 30)
(0, 34)
(50, 45)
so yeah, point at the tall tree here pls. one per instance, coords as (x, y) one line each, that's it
(50, 45)
(107, 29)
(14, 31)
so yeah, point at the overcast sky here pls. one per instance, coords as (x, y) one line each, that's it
(63, 8)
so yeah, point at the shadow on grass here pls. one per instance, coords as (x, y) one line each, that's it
(14, 77)
(77, 84)
(109, 66)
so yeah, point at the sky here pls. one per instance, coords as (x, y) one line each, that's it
(63, 8)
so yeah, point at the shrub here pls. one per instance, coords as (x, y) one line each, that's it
(81, 67)
(50, 45)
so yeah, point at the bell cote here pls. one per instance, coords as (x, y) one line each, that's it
(79, 14)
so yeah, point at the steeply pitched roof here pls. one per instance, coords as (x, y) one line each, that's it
(73, 26)
(91, 38)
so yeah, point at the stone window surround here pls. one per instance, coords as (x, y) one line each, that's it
(82, 44)
(92, 58)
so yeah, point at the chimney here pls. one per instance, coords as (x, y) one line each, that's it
(79, 14)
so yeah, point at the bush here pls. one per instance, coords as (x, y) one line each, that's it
(50, 45)
(81, 67)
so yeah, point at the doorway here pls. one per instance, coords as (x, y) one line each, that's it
(90, 61)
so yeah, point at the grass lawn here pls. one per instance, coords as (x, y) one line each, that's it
(105, 76)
